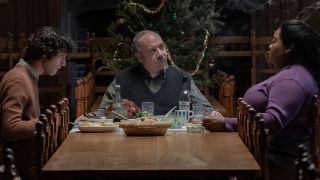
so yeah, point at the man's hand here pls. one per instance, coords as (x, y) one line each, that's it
(215, 122)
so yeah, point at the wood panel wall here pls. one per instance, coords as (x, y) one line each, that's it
(269, 18)
(18, 16)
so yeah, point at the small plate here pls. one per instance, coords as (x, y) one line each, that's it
(95, 119)
(97, 129)
(96, 126)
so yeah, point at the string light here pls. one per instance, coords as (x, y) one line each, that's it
(147, 10)
(157, 10)
(205, 46)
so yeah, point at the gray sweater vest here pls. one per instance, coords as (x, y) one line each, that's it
(134, 88)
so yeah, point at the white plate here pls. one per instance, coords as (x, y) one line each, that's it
(97, 129)
(95, 119)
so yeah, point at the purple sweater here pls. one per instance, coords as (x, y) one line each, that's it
(283, 99)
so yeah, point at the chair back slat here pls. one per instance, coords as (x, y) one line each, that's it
(262, 147)
(51, 125)
(252, 131)
(305, 168)
(227, 90)
(9, 171)
(61, 131)
(40, 145)
(66, 116)
(57, 122)
(84, 94)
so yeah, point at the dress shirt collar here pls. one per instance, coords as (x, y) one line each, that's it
(159, 76)
(154, 82)
(28, 68)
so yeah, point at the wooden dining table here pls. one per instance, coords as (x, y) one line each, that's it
(176, 155)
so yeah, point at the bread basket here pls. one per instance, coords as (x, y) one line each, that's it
(145, 127)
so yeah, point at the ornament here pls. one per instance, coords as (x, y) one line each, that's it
(120, 21)
(174, 17)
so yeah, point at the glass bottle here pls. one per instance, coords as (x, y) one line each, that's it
(117, 106)
(185, 97)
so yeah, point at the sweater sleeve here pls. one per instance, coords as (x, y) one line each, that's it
(286, 98)
(15, 99)
(107, 99)
(199, 98)
(231, 124)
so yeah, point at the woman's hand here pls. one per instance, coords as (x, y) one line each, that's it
(214, 122)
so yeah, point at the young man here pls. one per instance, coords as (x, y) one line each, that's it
(19, 96)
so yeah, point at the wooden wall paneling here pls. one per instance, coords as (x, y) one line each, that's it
(18, 16)
(283, 10)
(54, 15)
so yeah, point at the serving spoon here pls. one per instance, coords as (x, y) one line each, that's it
(170, 111)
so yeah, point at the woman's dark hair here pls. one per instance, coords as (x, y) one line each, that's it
(303, 44)
(46, 41)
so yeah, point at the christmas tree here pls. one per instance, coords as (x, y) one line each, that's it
(186, 27)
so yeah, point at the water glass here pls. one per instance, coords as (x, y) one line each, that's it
(147, 107)
(182, 117)
(199, 112)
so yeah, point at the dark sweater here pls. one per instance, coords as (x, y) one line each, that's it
(134, 88)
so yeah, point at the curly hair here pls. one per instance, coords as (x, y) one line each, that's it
(46, 42)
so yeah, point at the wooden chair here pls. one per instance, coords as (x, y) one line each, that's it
(260, 69)
(238, 46)
(8, 170)
(57, 123)
(305, 168)
(64, 127)
(99, 46)
(67, 114)
(79, 94)
(53, 131)
(11, 51)
(40, 144)
(44, 141)
(225, 103)
(252, 131)
(84, 94)
(252, 47)
(6, 54)
(227, 92)
(46, 131)
(315, 136)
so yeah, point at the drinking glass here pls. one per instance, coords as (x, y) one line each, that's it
(199, 112)
(147, 107)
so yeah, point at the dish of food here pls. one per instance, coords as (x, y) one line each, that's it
(147, 126)
(96, 126)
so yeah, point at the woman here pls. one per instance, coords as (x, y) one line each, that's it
(284, 99)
